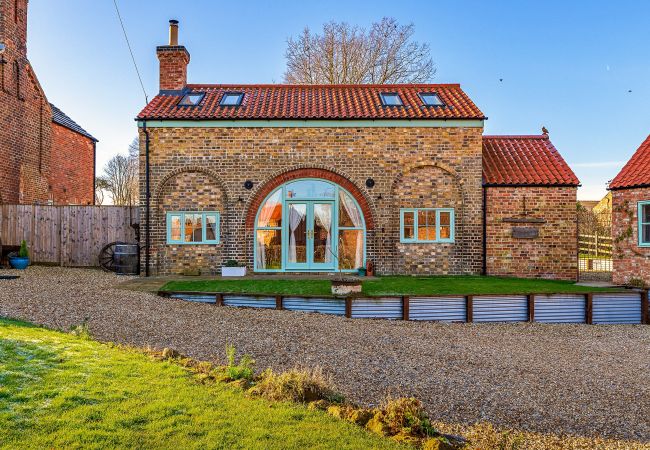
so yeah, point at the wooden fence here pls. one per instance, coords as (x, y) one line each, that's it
(67, 235)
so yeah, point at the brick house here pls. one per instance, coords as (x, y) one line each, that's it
(43, 158)
(297, 178)
(631, 218)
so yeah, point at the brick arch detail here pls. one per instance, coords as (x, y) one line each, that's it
(308, 172)
(159, 188)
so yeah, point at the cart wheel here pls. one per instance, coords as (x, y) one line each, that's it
(106, 257)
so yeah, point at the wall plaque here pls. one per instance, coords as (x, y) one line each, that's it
(525, 232)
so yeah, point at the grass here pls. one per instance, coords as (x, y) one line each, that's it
(388, 285)
(58, 390)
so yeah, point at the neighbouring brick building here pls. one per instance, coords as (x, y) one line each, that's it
(295, 178)
(42, 160)
(631, 219)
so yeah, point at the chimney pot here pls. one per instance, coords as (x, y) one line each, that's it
(173, 32)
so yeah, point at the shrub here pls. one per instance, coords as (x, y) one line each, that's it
(23, 252)
(242, 370)
(81, 331)
(296, 385)
(231, 263)
(636, 282)
(402, 417)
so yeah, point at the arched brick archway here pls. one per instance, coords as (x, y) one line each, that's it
(295, 174)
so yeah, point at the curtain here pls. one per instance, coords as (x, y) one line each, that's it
(324, 216)
(261, 250)
(355, 215)
(295, 217)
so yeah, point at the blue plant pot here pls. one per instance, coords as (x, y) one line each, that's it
(19, 263)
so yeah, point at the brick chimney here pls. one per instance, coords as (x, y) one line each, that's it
(173, 59)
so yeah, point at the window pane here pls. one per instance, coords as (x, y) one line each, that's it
(271, 212)
(645, 234)
(189, 227)
(191, 99)
(391, 99)
(350, 249)
(322, 233)
(426, 225)
(197, 234)
(445, 225)
(297, 252)
(310, 189)
(211, 227)
(349, 214)
(431, 99)
(175, 228)
(231, 99)
(408, 224)
(645, 213)
(269, 249)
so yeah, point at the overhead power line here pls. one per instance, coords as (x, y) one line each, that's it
(119, 16)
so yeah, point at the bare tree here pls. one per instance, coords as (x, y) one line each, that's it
(120, 177)
(346, 54)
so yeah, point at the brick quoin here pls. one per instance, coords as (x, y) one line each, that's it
(309, 173)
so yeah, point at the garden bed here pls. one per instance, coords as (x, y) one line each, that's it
(386, 286)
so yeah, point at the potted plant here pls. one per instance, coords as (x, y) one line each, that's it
(344, 285)
(232, 268)
(20, 261)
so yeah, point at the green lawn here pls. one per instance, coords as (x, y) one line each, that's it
(61, 391)
(388, 285)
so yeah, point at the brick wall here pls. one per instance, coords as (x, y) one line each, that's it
(25, 115)
(72, 167)
(412, 167)
(630, 261)
(553, 254)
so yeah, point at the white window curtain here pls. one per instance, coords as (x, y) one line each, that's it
(295, 217)
(324, 217)
(355, 215)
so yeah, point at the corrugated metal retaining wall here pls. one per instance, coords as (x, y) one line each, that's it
(511, 308)
(616, 308)
(560, 308)
(443, 309)
(597, 308)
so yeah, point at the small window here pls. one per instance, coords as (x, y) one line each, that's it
(431, 99)
(193, 227)
(390, 99)
(644, 224)
(191, 99)
(427, 225)
(231, 99)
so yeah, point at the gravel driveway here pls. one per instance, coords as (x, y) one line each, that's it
(575, 379)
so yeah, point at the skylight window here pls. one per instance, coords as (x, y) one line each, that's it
(431, 99)
(191, 99)
(231, 99)
(390, 99)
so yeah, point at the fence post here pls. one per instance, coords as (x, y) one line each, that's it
(589, 308)
(469, 306)
(348, 307)
(278, 302)
(645, 314)
(219, 300)
(531, 307)
(405, 308)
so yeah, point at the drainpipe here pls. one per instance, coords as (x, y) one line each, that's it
(147, 195)
(484, 269)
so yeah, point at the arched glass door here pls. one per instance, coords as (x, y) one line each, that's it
(309, 225)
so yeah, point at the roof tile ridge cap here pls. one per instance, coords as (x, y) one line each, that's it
(515, 136)
(321, 85)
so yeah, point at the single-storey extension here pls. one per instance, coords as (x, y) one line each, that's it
(631, 219)
(322, 178)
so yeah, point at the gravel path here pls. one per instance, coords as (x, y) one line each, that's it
(576, 379)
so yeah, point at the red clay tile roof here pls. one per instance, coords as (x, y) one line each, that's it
(524, 160)
(313, 102)
(636, 172)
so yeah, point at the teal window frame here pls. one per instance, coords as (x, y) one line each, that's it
(204, 240)
(414, 239)
(335, 227)
(641, 205)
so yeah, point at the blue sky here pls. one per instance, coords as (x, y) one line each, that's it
(565, 65)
